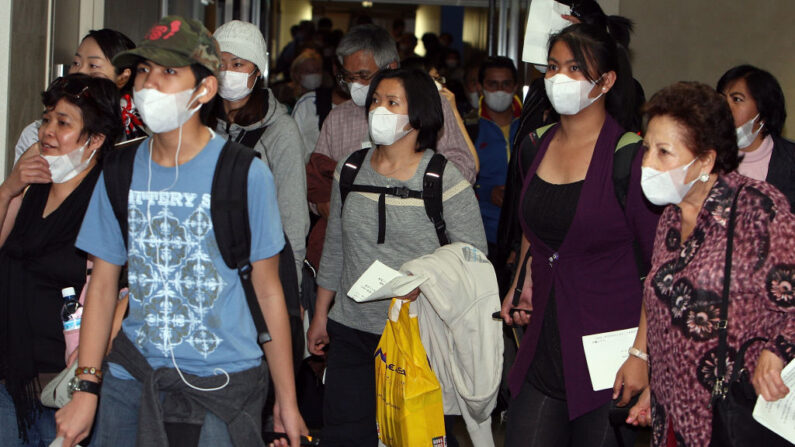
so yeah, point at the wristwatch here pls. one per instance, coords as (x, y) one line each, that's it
(75, 384)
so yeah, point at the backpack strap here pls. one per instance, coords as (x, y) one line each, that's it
(529, 149)
(626, 150)
(117, 169)
(348, 174)
(432, 195)
(249, 139)
(542, 130)
(229, 214)
(322, 105)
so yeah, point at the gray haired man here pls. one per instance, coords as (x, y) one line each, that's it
(362, 53)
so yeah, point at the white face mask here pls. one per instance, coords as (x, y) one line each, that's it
(474, 99)
(498, 101)
(233, 85)
(311, 81)
(746, 134)
(664, 187)
(438, 84)
(164, 112)
(358, 93)
(65, 167)
(387, 127)
(568, 96)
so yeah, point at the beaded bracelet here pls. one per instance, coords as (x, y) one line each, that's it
(89, 370)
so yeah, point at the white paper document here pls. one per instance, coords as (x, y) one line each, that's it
(543, 20)
(605, 353)
(381, 282)
(779, 416)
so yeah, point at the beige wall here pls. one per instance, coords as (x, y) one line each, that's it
(5, 70)
(28, 62)
(427, 20)
(291, 13)
(700, 39)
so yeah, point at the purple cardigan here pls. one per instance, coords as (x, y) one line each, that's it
(597, 287)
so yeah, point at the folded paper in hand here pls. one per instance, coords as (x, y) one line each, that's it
(380, 282)
(605, 353)
(779, 416)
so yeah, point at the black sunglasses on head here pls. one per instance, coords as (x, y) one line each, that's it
(71, 87)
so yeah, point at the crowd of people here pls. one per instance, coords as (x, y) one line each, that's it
(239, 212)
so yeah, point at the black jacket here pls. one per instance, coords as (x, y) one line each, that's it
(781, 170)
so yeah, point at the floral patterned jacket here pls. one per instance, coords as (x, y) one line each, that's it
(683, 294)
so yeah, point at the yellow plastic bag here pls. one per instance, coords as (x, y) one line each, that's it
(409, 407)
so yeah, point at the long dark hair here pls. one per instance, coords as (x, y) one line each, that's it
(594, 48)
(255, 109)
(98, 101)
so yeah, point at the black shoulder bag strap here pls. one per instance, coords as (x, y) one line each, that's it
(229, 213)
(721, 385)
(117, 169)
(432, 196)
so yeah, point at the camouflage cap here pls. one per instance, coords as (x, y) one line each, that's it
(176, 42)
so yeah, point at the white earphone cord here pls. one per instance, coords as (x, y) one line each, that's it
(157, 250)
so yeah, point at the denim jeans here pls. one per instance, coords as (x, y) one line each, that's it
(40, 434)
(116, 423)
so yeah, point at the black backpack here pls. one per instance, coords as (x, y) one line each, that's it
(322, 105)
(431, 193)
(228, 211)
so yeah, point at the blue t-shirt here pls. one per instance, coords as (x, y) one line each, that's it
(182, 294)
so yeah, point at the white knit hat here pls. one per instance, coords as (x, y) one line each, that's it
(244, 40)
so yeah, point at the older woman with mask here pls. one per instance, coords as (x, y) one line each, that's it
(42, 203)
(690, 165)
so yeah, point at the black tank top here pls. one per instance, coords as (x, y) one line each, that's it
(549, 211)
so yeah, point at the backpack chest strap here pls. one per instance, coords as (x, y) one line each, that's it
(382, 191)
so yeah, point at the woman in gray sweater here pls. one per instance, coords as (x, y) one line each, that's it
(405, 115)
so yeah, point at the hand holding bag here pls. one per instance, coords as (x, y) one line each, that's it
(409, 409)
(56, 393)
(733, 400)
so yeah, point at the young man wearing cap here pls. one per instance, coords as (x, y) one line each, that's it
(186, 362)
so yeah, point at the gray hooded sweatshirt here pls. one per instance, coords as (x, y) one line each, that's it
(282, 149)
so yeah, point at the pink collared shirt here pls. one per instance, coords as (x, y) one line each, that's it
(754, 164)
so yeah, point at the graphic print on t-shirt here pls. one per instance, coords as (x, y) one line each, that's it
(171, 272)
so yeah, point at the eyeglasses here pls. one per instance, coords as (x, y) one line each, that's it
(71, 87)
(345, 76)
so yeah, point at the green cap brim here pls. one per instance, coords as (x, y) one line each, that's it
(159, 56)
